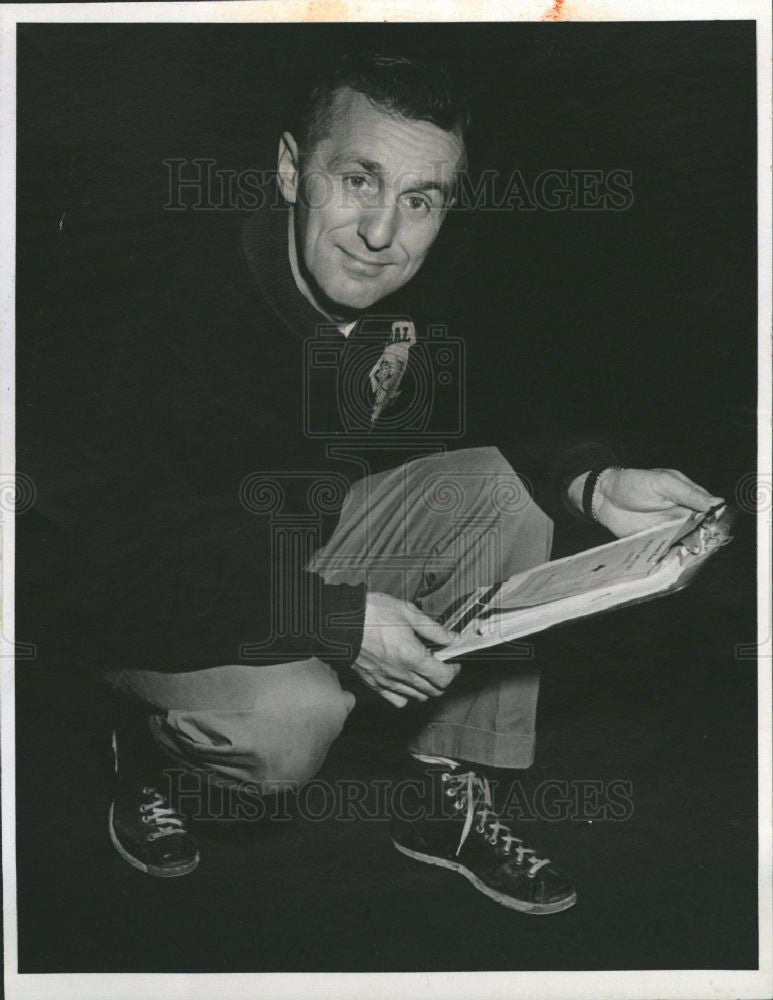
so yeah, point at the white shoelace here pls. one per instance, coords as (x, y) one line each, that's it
(165, 819)
(472, 792)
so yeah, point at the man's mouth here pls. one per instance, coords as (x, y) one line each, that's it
(361, 267)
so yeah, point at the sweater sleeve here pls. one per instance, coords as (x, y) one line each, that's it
(158, 579)
(549, 468)
(137, 553)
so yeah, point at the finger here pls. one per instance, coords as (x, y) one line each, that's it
(431, 630)
(714, 499)
(691, 483)
(670, 513)
(394, 699)
(445, 675)
(685, 479)
(679, 511)
(424, 685)
(450, 672)
(435, 683)
(437, 673)
(682, 491)
(407, 690)
(384, 685)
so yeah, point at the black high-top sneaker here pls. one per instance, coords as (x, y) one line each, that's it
(144, 828)
(467, 836)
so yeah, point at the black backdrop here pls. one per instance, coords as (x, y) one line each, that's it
(650, 310)
(647, 316)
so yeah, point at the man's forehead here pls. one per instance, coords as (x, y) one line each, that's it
(361, 130)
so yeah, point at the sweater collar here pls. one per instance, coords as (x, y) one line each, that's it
(265, 241)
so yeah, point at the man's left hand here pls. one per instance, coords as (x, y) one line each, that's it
(630, 500)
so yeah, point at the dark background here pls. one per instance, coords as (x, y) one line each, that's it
(646, 318)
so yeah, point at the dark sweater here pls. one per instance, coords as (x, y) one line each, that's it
(194, 449)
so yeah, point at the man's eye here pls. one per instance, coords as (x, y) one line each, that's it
(356, 182)
(417, 203)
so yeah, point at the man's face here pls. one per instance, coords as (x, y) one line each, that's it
(372, 198)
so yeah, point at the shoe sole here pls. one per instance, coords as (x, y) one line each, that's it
(175, 872)
(498, 897)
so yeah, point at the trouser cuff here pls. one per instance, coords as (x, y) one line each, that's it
(479, 746)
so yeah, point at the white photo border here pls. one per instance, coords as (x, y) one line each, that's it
(597, 985)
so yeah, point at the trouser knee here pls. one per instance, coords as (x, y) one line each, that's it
(270, 750)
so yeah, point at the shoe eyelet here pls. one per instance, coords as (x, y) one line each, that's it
(145, 818)
(492, 839)
(445, 776)
(451, 793)
(458, 805)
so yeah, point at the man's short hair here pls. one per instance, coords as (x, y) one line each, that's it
(397, 84)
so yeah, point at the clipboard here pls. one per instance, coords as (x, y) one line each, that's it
(483, 623)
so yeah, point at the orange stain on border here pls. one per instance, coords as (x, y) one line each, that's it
(556, 12)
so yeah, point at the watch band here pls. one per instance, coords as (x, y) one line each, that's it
(589, 489)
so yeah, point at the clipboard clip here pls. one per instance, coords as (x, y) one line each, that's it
(705, 532)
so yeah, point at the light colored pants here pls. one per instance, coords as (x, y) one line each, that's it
(429, 531)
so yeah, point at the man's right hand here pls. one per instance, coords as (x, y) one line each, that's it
(393, 660)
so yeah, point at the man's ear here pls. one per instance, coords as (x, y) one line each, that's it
(288, 168)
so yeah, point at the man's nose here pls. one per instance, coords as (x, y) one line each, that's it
(378, 226)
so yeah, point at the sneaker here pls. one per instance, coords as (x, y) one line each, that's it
(148, 833)
(472, 840)
(144, 828)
